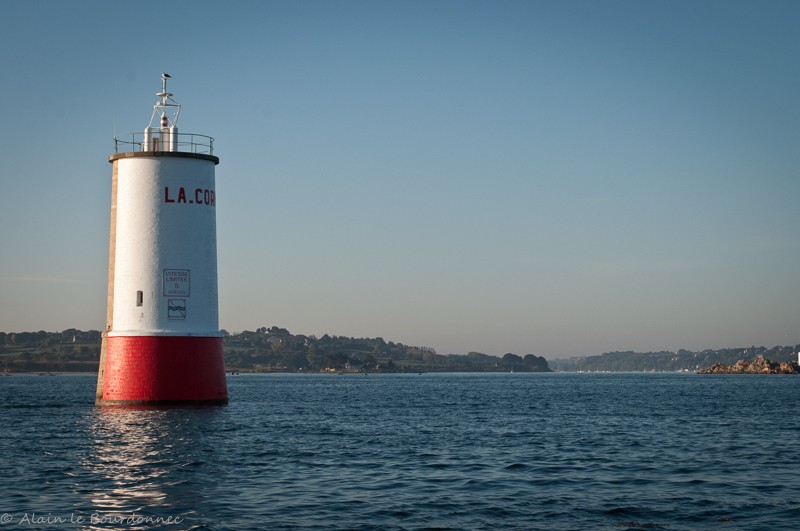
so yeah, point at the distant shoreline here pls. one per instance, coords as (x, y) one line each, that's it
(45, 373)
(760, 365)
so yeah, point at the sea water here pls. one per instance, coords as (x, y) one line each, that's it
(411, 451)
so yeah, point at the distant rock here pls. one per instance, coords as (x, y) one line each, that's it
(760, 365)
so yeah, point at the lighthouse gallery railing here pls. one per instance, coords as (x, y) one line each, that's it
(166, 140)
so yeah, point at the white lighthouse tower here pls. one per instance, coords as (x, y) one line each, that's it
(162, 343)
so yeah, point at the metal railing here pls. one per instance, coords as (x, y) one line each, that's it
(157, 140)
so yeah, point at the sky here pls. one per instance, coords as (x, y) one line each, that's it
(558, 178)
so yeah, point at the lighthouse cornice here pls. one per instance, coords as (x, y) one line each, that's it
(157, 154)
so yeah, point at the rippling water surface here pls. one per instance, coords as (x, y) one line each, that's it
(478, 451)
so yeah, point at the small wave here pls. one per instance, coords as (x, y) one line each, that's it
(630, 524)
(36, 406)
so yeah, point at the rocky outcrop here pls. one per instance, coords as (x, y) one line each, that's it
(760, 365)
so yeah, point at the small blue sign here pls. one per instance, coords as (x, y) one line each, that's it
(176, 309)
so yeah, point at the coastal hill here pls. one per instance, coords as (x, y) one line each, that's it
(264, 350)
(277, 350)
(666, 361)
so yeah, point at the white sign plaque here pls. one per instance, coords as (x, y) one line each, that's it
(176, 282)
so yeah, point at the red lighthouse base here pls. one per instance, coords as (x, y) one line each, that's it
(164, 370)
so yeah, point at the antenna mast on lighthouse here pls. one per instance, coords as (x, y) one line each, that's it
(163, 104)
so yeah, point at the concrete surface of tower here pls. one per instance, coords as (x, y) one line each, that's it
(162, 343)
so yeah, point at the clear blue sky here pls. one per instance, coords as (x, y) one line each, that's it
(557, 178)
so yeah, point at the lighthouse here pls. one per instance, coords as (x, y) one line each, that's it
(162, 343)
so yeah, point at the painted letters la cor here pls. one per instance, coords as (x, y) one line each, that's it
(201, 196)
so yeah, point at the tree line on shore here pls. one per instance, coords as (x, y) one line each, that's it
(277, 350)
(264, 350)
